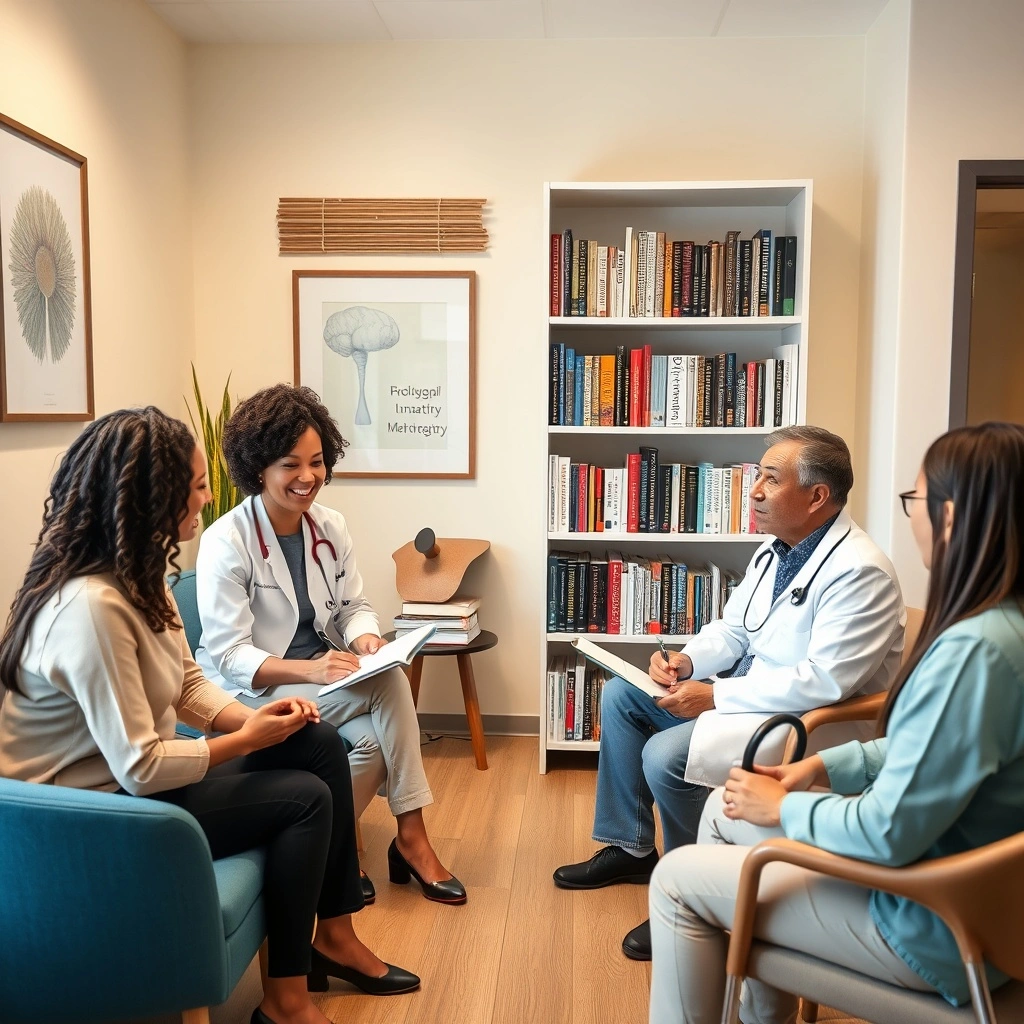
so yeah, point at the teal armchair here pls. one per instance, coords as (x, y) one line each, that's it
(112, 908)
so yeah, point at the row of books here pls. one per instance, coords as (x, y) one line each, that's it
(574, 698)
(651, 275)
(649, 496)
(455, 622)
(631, 595)
(635, 388)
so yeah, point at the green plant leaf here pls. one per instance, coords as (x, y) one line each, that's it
(211, 431)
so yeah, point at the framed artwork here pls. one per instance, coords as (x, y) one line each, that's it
(392, 355)
(45, 310)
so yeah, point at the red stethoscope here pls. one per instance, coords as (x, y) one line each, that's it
(317, 541)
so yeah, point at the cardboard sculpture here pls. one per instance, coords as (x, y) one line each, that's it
(431, 570)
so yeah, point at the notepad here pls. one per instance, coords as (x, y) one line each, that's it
(637, 676)
(398, 652)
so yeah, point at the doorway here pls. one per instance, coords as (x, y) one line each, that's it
(987, 363)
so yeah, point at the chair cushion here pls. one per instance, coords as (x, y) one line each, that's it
(868, 998)
(184, 590)
(239, 886)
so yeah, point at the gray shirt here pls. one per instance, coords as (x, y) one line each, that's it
(305, 644)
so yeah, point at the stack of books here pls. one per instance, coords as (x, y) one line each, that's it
(455, 621)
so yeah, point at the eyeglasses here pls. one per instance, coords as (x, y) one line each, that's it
(910, 496)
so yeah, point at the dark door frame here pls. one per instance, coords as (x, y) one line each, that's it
(973, 175)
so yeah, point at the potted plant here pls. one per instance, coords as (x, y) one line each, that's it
(225, 494)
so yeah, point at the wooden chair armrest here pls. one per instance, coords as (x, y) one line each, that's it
(935, 884)
(854, 709)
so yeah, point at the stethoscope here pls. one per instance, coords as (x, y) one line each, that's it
(332, 605)
(797, 596)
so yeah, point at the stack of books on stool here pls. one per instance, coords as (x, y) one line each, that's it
(456, 620)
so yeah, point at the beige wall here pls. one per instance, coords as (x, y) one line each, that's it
(885, 115)
(107, 79)
(497, 120)
(994, 390)
(963, 103)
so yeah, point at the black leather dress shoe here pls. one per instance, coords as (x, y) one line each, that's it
(609, 866)
(400, 871)
(369, 893)
(395, 981)
(637, 943)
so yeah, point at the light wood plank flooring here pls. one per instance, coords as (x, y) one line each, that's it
(521, 951)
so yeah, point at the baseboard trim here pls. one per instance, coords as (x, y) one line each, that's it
(494, 725)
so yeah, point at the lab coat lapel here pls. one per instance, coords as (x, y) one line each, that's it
(275, 559)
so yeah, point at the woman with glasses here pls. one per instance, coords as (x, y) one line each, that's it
(945, 775)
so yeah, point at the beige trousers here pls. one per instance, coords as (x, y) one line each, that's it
(692, 898)
(377, 716)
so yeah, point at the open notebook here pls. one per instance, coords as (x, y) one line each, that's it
(398, 652)
(637, 676)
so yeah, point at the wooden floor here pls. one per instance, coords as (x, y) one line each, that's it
(520, 951)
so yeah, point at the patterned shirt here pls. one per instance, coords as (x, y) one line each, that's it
(791, 560)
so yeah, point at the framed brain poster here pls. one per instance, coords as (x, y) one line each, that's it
(45, 316)
(392, 355)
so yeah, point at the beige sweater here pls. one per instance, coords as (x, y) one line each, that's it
(102, 694)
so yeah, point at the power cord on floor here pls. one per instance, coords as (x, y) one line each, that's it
(434, 737)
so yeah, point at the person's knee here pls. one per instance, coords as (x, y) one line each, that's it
(663, 763)
(325, 738)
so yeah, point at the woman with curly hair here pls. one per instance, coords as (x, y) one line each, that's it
(96, 672)
(283, 612)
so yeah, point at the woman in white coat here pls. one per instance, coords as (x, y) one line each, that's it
(283, 613)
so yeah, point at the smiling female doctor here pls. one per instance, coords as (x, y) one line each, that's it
(283, 613)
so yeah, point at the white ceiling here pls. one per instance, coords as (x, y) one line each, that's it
(295, 21)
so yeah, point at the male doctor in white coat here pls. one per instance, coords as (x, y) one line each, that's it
(817, 618)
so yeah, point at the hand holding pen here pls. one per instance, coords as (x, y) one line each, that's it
(666, 665)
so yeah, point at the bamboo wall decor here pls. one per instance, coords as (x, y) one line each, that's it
(307, 226)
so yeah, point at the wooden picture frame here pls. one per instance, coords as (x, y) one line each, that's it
(46, 371)
(393, 356)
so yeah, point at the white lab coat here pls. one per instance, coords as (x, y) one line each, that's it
(247, 602)
(846, 639)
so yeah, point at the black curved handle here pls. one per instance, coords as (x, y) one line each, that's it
(766, 727)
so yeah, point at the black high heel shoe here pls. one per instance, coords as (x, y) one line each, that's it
(369, 893)
(395, 981)
(451, 890)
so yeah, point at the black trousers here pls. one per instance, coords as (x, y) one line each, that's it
(295, 800)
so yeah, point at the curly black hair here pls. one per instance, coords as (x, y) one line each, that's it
(267, 426)
(114, 506)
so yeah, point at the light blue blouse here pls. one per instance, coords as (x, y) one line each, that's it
(948, 777)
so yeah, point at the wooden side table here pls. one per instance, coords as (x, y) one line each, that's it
(483, 642)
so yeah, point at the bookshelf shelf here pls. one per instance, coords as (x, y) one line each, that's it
(611, 216)
(650, 639)
(661, 538)
(666, 431)
(684, 323)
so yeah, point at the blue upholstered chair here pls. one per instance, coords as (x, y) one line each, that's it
(111, 908)
(184, 590)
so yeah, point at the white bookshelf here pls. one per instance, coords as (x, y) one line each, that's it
(697, 210)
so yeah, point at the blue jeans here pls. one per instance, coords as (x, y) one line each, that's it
(643, 758)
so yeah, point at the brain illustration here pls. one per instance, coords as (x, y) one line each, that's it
(354, 333)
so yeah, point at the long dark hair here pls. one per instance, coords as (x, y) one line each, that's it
(114, 506)
(981, 471)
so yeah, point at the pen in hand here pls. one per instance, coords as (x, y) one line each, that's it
(664, 649)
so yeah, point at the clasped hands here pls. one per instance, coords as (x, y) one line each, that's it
(757, 796)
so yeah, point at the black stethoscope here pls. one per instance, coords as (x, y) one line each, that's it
(317, 541)
(797, 596)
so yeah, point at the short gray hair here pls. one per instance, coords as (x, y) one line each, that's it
(824, 459)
